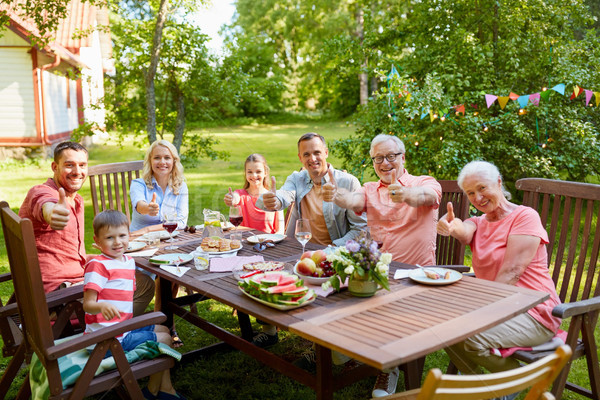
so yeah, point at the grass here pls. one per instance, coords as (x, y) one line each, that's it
(230, 375)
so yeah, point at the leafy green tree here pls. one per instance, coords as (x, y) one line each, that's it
(453, 52)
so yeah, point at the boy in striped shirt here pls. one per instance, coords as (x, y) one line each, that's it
(109, 283)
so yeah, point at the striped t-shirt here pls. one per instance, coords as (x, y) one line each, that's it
(114, 281)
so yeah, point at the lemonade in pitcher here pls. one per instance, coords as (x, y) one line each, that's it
(212, 223)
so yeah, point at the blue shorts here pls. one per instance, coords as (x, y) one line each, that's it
(135, 338)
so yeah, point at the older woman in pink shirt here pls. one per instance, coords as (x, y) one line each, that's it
(509, 245)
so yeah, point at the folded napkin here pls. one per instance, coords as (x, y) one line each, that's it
(143, 253)
(402, 273)
(174, 270)
(227, 264)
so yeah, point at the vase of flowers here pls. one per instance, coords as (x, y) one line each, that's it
(361, 262)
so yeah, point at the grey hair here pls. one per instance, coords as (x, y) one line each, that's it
(384, 138)
(484, 169)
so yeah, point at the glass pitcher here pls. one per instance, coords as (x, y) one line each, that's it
(212, 223)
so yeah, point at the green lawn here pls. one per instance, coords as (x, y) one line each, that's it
(229, 375)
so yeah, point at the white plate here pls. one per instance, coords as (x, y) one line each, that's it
(419, 276)
(280, 306)
(213, 253)
(135, 246)
(224, 225)
(275, 237)
(311, 280)
(162, 234)
(167, 259)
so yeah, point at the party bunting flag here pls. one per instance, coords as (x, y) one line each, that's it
(502, 100)
(560, 88)
(535, 99)
(423, 115)
(392, 72)
(545, 95)
(522, 100)
(597, 94)
(431, 117)
(460, 108)
(588, 96)
(513, 96)
(490, 99)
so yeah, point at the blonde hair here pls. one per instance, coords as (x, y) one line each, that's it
(259, 158)
(176, 178)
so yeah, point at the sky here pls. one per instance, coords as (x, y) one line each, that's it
(211, 18)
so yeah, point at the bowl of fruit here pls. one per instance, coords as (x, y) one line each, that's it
(314, 268)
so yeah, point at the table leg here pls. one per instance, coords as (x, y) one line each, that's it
(324, 375)
(245, 326)
(413, 371)
(166, 297)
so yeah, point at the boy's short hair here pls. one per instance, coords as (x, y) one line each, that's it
(109, 219)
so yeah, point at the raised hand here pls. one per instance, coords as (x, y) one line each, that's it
(395, 190)
(448, 224)
(270, 199)
(330, 188)
(153, 207)
(228, 199)
(57, 215)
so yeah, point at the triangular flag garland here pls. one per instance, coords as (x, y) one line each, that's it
(490, 99)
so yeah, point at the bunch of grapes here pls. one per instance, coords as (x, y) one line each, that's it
(327, 268)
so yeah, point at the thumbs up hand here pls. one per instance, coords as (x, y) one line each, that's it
(57, 214)
(395, 190)
(270, 199)
(449, 225)
(330, 188)
(153, 207)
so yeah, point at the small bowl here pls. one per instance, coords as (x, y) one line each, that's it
(311, 280)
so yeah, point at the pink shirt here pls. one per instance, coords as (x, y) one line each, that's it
(489, 246)
(410, 232)
(61, 252)
(114, 280)
(255, 218)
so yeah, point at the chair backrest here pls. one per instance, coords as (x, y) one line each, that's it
(538, 375)
(450, 251)
(570, 213)
(27, 281)
(109, 184)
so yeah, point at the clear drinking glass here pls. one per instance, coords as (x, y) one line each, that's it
(170, 224)
(303, 233)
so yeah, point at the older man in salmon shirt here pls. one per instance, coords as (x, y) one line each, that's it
(401, 214)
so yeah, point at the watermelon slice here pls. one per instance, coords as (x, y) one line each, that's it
(309, 295)
(280, 288)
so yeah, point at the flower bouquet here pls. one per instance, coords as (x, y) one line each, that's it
(359, 260)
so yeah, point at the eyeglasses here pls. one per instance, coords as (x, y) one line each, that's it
(389, 157)
(263, 245)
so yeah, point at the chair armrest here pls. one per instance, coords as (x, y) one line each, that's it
(5, 277)
(83, 341)
(567, 310)
(62, 296)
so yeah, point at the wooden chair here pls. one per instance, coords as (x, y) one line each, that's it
(450, 251)
(538, 376)
(109, 184)
(570, 213)
(37, 328)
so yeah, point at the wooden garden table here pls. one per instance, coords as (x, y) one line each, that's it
(388, 329)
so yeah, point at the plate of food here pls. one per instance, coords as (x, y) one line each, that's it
(314, 268)
(218, 245)
(171, 258)
(311, 279)
(163, 235)
(282, 307)
(279, 289)
(274, 237)
(250, 269)
(135, 246)
(435, 276)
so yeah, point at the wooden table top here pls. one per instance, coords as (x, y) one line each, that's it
(388, 329)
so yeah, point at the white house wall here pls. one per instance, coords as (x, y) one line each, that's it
(17, 107)
(92, 82)
(60, 117)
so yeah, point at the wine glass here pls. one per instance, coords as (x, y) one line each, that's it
(235, 216)
(303, 234)
(170, 224)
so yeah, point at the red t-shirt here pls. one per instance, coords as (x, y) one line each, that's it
(255, 218)
(61, 252)
(489, 246)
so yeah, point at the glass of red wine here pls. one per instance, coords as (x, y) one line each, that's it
(235, 216)
(170, 224)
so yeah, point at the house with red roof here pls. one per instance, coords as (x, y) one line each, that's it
(45, 93)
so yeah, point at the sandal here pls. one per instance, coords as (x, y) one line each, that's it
(177, 343)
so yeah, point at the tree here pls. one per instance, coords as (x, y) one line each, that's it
(452, 53)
